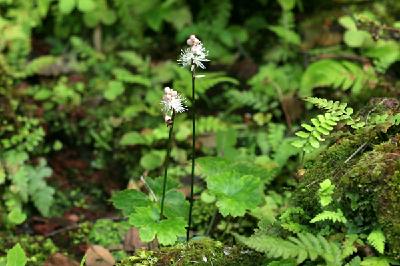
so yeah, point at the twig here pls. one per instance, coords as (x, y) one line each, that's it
(356, 152)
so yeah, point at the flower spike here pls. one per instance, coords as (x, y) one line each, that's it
(172, 102)
(195, 55)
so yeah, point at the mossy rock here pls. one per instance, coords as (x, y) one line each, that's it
(196, 252)
(365, 168)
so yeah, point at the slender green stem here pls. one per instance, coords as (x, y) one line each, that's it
(211, 224)
(191, 200)
(171, 128)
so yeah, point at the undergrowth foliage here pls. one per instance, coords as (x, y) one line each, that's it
(85, 77)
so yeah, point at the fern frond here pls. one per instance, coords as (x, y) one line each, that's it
(325, 192)
(337, 74)
(330, 216)
(375, 261)
(323, 125)
(304, 246)
(377, 239)
(356, 261)
(348, 247)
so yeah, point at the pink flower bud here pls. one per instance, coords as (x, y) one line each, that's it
(167, 118)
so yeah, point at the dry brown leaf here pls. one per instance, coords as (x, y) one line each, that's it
(59, 259)
(99, 256)
(132, 240)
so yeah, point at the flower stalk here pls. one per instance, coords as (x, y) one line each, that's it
(194, 56)
(170, 122)
(172, 103)
(191, 199)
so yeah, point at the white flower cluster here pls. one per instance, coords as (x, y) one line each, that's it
(172, 102)
(195, 55)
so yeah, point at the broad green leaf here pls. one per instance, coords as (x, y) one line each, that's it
(179, 17)
(234, 193)
(156, 184)
(16, 256)
(66, 6)
(170, 229)
(348, 23)
(175, 205)
(86, 5)
(212, 165)
(152, 160)
(129, 199)
(108, 17)
(132, 138)
(114, 89)
(146, 219)
(355, 38)
(16, 216)
(39, 63)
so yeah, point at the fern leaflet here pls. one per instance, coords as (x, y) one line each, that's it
(330, 216)
(304, 246)
(377, 239)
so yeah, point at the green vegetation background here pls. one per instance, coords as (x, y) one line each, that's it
(80, 89)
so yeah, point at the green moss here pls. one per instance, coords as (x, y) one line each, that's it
(37, 248)
(367, 182)
(196, 252)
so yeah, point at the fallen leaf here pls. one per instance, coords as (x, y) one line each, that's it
(59, 259)
(99, 256)
(132, 240)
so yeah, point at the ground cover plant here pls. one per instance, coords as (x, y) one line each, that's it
(199, 132)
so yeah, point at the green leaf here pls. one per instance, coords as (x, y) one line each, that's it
(156, 184)
(66, 6)
(286, 34)
(356, 38)
(167, 231)
(330, 216)
(132, 138)
(86, 5)
(38, 64)
(152, 159)
(16, 256)
(42, 195)
(175, 204)
(375, 261)
(2, 175)
(129, 199)
(212, 165)
(325, 192)
(234, 193)
(348, 23)
(16, 216)
(108, 17)
(287, 5)
(377, 239)
(145, 219)
(124, 75)
(170, 229)
(115, 88)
